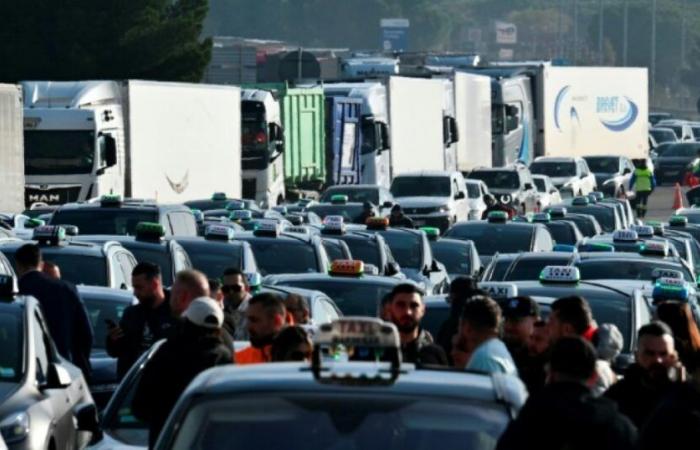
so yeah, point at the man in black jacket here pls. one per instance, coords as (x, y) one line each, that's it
(565, 414)
(461, 290)
(398, 219)
(406, 310)
(64, 311)
(144, 323)
(653, 375)
(195, 345)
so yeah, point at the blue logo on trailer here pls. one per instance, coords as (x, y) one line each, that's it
(616, 113)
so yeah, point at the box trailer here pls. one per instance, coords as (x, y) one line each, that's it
(11, 149)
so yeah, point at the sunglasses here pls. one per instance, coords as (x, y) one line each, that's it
(231, 288)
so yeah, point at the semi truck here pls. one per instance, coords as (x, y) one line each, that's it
(170, 142)
(11, 149)
(472, 95)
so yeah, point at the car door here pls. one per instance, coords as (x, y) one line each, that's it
(460, 198)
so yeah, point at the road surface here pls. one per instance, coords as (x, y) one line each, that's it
(661, 203)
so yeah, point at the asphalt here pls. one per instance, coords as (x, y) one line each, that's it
(661, 203)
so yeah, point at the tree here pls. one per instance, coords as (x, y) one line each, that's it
(109, 39)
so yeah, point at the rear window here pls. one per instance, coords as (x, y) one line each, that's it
(213, 261)
(604, 215)
(276, 256)
(353, 299)
(554, 169)
(473, 190)
(492, 238)
(562, 233)
(104, 221)
(626, 270)
(160, 258)
(682, 150)
(334, 420)
(365, 250)
(407, 248)
(351, 213)
(528, 269)
(494, 179)
(456, 258)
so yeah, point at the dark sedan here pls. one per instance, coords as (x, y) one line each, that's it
(675, 161)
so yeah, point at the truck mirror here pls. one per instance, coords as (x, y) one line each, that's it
(276, 133)
(110, 155)
(454, 130)
(386, 138)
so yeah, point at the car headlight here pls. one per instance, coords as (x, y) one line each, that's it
(442, 209)
(15, 428)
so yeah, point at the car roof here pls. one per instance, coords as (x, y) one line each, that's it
(69, 247)
(283, 377)
(350, 187)
(124, 240)
(283, 236)
(535, 255)
(555, 159)
(475, 223)
(376, 279)
(199, 241)
(105, 293)
(425, 173)
(457, 242)
(134, 204)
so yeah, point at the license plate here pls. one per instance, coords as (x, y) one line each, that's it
(671, 172)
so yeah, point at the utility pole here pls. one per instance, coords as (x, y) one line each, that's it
(652, 65)
(601, 57)
(625, 31)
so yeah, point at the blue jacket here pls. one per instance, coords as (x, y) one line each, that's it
(65, 315)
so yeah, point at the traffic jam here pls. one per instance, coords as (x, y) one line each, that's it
(340, 266)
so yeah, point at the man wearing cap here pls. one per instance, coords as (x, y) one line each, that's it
(195, 345)
(398, 219)
(520, 315)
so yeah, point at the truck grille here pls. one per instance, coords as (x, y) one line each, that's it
(55, 196)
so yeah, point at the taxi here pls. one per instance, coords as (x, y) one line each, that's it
(498, 235)
(149, 245)
(412, 252)
(112, 215)
(46, 402)
(354, 393)
(631, 242)
(587, 224)
(217, 251)
(370, 248)
(524, 266)
(459, 257)
(353, 291)
(608, 217)
(339, 205)
(219, 200)
(563, 231)
(107, 263)
(278, 251)
(681, 223)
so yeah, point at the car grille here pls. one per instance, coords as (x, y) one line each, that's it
(427, 210)
(53, 196)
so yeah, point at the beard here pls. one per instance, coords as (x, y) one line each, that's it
(406, 326)
(261, 341)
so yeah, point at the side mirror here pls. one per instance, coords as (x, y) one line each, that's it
(528, 186)
(387, 204)
(386, 137)
(460, 195)
(110, 150)
(57, 377)
(454, 130)
(88, 419)
(434, 267)
(276, 133)
(627, 171)
(583, 175)
(392, 268)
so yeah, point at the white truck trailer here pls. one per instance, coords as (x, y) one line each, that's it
(473, 115)
(166, 141)
(11, 149)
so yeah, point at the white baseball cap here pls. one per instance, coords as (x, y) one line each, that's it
(205, 312)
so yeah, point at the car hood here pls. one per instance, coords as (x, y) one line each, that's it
(7, 389)
(416, 202)
(561, 181)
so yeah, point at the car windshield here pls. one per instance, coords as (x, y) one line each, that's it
(421, 187)
(253, 127)
(683, 150)
(585, 224)
(407, 249)
(213, 260)
(562, 233)
(365, 250)
(456, 258)
(661, 136)
(540, 184)
(626, 270)
(354, 298)
(354, 195)
(554, 169)
(603, 164)
(12, 345)
(284, 256)
(491, 238)
(115, 221)
(100, 310)
(51, 152)
(473, 190)
(329, 420)
(159, 257)
(605, 216)
(497, 179)
(351, 212)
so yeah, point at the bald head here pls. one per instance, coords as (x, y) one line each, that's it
(188, 285)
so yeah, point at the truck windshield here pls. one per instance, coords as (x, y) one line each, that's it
(495, 179)
(421, 187)
(58, 152)
(540, 184)
(554, 169)
(253, 127)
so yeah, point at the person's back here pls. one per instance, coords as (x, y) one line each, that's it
(194, 346)
(565, 414)
(480, 324)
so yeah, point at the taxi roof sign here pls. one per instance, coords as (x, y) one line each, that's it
(659, 273)
(657, 248)
(298, 229)
(433, 233)
(198, 215)
(499, 290)
(241, 214)
(49, 234)
(377, 223)
(497, 216)
(597, 195)
(33, 223)
(333, 225)
(270, 228)
(678, 221)
(371, 269)
(149, 231)
(339, 199)
(560, 274)
(111, 200)
(347, 267)
(235, 205)
(670, 289)
(625, 236)
(541, 218)
(219, 196)
(557, 212)
(643, 230)
(254, 279)
(218, 233)
(593, 247)
(580, 201)
(565, 248)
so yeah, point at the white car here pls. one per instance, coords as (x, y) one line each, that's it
(476, 190)
(547, 193)
(570, 175)
(682, 128)
(432, 198)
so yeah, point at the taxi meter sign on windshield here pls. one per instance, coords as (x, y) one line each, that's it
(625, 235)
(643, 230)
(241, 214)
(560, 274)
(499, 290)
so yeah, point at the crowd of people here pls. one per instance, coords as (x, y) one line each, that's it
(576, 399)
